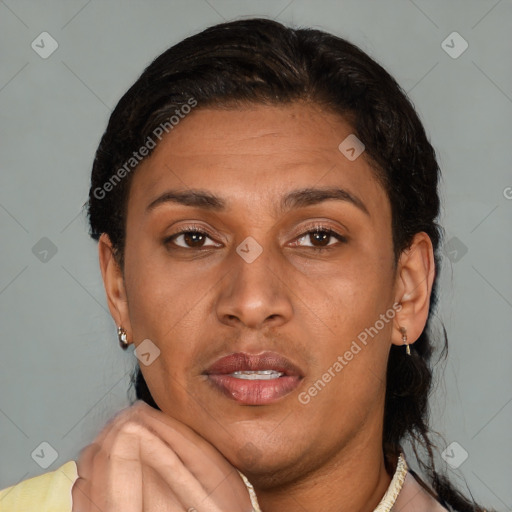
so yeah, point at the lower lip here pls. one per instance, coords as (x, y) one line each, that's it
(255, 392)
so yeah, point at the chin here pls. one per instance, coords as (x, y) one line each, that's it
(269, 472)
(262, 464)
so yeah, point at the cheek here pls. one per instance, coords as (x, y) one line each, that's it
(168, 304)
(349, 380)
(352, 352)
(158, 288)
(350, 294)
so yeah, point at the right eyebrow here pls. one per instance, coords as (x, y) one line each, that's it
(195, 198)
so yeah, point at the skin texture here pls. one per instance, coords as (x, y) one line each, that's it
(199, 303)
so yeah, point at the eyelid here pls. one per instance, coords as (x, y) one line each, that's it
(194, 228)
(320, 226)
(313, 227)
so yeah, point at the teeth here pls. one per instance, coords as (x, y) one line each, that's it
(257, 374)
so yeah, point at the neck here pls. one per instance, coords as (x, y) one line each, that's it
(355, 480)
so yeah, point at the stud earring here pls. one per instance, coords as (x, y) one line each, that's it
(123, 341)
(403, 330)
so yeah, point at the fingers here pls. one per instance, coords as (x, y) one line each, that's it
(110, 476)
(130, 468)
(156, 493)
(80, 492)
(81, 499)
(190, 493)
(144, 460)
(218, 477)
(204, 461)
(184, 486)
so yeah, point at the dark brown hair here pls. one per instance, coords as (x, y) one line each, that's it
(261, 61)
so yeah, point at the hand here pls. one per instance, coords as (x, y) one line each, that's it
(146, 461)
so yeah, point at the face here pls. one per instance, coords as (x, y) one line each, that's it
(311, 278)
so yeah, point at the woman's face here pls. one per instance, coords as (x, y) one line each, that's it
(332, 313)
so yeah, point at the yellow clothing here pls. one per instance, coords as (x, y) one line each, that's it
(49, 492)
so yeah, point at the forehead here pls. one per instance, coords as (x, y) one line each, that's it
(254, 155)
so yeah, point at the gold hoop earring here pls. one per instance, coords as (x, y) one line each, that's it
(403, 330)
(123, 340)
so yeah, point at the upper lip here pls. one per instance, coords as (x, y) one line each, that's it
(243, 361)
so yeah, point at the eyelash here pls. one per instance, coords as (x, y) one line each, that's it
(319, 228)
(311, 229)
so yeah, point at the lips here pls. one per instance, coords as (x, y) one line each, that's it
(242, 361)
(277, 378)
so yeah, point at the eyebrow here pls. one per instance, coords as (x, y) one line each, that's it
(296, 199)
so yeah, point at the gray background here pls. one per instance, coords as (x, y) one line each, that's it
(62, 374)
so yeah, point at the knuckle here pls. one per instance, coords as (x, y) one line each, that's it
(132, 428)
(124, 445)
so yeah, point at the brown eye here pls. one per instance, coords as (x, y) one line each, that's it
(193, 239)
(189, 239)
(320, 238)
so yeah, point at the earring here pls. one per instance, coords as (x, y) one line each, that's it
(123, 341)
(403, 330)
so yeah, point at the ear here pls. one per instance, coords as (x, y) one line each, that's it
(415, 276)
(114, 284)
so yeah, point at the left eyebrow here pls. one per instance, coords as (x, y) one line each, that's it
(310, 196)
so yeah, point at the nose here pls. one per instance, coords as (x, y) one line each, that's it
(255, 294)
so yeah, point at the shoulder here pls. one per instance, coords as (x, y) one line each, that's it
(415, 498)
(49, 492)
